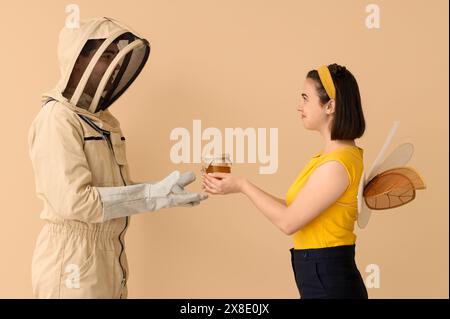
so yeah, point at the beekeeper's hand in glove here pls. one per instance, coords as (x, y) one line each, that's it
(149, 197)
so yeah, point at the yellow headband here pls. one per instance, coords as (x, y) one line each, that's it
(327, 81)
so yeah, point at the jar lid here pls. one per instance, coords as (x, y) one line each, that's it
(224, 158)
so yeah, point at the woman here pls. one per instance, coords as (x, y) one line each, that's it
(321, 205)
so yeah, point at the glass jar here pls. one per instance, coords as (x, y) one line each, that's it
(211, 164)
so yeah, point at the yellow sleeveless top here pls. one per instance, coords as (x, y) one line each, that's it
(335, 225)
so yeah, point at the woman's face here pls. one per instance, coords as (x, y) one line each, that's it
(312, 113)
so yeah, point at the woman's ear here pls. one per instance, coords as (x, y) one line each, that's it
(330, 107)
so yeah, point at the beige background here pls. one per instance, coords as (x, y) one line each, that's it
(241, 64)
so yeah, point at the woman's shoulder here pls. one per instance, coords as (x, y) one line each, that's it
(351, 157)
(348, 153)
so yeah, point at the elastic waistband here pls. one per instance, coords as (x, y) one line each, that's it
(103, 230)
(323, 253)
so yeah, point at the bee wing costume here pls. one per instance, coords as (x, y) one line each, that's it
(389, 182)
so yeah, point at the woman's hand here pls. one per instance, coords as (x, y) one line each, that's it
(222, 183)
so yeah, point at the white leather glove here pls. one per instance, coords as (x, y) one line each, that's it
(148, 197)
(185, 179)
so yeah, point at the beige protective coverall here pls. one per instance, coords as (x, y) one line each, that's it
(78, 155)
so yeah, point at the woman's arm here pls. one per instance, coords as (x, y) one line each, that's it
(323, 188)
(269, 205)
(281, 201)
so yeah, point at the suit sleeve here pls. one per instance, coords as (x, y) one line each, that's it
(62, 174)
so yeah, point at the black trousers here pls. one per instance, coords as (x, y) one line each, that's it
(328, 273)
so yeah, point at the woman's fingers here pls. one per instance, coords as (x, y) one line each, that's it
(212, 185)
(212, 180)
(209, 184)
(209, 189)
(219, 174)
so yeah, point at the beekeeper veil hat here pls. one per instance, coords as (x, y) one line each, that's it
(98, 62)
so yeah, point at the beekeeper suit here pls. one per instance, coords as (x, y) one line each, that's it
(78, 155)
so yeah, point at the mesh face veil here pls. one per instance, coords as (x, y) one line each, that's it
(104, 69)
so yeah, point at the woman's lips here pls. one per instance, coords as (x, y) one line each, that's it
(301, 114)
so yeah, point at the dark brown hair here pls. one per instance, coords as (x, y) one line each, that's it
(348, 122)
